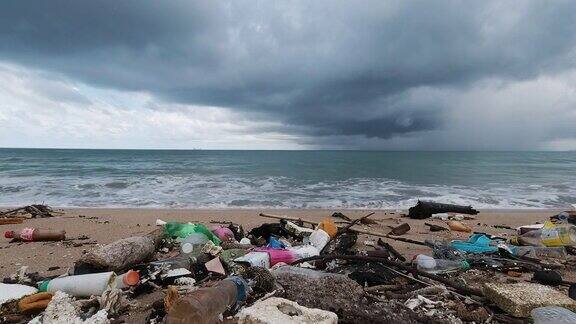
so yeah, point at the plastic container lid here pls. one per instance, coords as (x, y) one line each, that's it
(187, 247)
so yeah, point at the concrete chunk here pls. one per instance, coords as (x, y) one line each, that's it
(519, 299)
(280, 310)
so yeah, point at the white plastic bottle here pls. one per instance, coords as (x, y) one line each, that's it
(81, 285)
(429, 264)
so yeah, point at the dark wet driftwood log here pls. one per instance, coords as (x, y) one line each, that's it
(425, 209)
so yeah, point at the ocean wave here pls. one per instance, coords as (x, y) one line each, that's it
(225, 191)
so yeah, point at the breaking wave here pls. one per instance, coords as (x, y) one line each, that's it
(219, 179)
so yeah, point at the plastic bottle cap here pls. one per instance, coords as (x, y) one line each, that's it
(131, 278)
(9, 234)
(43, 286)
(187, 247)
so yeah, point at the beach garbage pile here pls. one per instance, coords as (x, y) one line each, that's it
(289, 270)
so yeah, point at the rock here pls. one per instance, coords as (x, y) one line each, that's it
(519, 299)
(343, 296)
(280, 310)
(121, 254)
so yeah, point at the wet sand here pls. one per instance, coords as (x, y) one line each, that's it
(103, 226)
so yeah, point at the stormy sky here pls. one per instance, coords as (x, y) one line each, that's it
(435, 75)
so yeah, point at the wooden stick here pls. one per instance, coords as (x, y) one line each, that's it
(391, 249)
(357, 230)
(383, 287)
(356, 221)
(294, 219)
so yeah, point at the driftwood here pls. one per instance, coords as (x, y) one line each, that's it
(400, 229)
(458, 288)
(357, 230)
(35, 211)
(121, 254)
(391, 249)
(425, 209)
(436, 228)
(347, 227)
(342, 216)
(294, 219)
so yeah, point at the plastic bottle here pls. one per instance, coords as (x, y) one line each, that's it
(193, 242)
(296, 230)
(81, 285)
(130, 278)
(531, 238)
(552, 315)
(204, 305)
(174, 263)
(429, 264)
(538, 252)
(310, 273)
(29, 234)
(319, 238)
(550, 235)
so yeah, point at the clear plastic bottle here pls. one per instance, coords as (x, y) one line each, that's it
(193, 242)
(429, 264)
(551, 235)
(538, 252)
(552, 315)
(204, 305)
(531, 238)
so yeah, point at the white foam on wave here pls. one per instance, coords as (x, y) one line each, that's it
(224, 191)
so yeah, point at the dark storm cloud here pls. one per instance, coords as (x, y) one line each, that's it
(323, 67)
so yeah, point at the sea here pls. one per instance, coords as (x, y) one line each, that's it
(285, 179)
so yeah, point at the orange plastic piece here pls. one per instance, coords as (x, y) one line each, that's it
(329, 227)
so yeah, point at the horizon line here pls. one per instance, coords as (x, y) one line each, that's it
(275, 149)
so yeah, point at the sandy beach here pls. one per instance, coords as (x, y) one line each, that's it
(102, 226)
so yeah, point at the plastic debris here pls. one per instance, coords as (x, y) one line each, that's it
(81, 285)
(459, 227)
(14, 291)
(215, 266)
(279, 310)
(64, 309)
